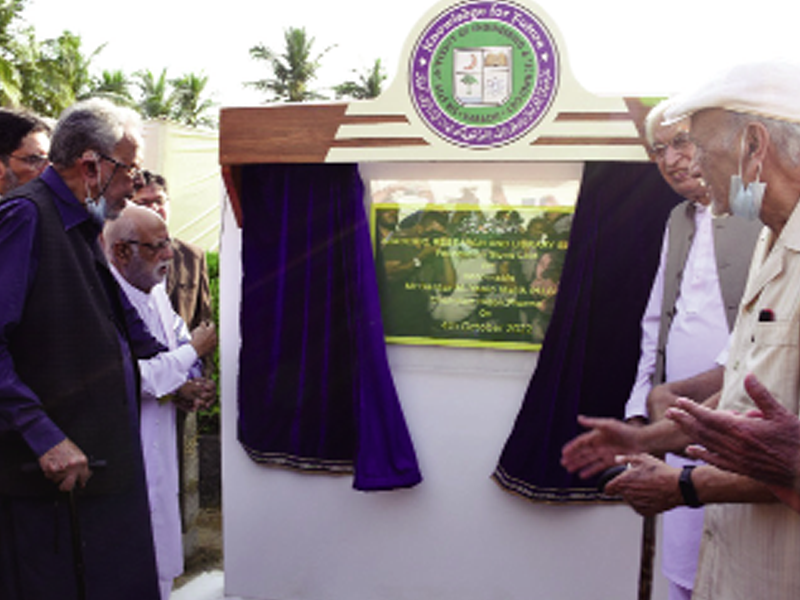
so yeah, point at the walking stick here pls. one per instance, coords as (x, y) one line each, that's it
(77, 539)
(645, 589)
(77, 545)
(75, 528)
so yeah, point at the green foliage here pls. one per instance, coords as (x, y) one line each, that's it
(61, 75)
(469, 81)
(10, 12)
(155, 101)
(10, 78)
(293, 70)
(369, 84)
(208, 419)
(179, 99)
(49, 75)
(189, 106)
(651, 101)
(114, 86)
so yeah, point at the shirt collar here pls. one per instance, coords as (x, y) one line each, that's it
(72, 212)
(790, 235)
(135, 295)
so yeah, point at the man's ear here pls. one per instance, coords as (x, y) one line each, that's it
(90, 167)
(121, 252)
(756, 141)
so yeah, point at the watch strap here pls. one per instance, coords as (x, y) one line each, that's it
(688, 491)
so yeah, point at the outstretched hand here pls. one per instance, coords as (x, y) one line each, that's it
(763, 444)
(596, 450)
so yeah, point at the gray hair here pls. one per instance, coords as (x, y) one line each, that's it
(784, 135)
(654, 120)
(93, 124)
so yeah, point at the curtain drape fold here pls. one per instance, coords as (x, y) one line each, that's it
(588, 360)
(315, 390)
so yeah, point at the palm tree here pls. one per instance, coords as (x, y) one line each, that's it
(369, 84)
(155, 102)
(293, 70)
(188, 104)
(115, 86)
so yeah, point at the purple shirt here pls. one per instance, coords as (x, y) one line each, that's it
(20, 409)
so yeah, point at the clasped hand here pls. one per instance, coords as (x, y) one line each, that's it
(196, 394)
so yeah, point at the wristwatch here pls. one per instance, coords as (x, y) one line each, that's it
(687, 488)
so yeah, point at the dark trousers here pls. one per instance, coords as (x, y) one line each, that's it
(37, 561)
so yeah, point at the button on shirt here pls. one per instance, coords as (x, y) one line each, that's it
(753, 550)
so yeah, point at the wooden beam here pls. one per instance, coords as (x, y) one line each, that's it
(232, 177)
(297, 133)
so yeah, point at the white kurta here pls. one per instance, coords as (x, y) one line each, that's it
(161, 375)
(699, 332)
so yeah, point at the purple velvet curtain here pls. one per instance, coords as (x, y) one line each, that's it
(315, 391)
(588, 360)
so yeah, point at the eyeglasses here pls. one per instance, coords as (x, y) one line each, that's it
(35, 161)
(680, 143)
(150, 202)
(131, 171)
(154, 248)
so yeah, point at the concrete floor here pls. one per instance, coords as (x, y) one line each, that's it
(206, 561)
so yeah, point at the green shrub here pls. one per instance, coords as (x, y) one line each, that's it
(208, 419)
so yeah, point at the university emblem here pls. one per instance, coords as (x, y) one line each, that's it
(483, 74)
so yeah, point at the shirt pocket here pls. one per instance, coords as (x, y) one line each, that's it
(775, 360)
(775, 333)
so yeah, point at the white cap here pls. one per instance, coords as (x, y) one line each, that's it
(767, 89)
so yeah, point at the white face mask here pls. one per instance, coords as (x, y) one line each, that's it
(98, 209)
(745, 201)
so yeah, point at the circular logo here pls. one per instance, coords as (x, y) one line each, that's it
(484, 73)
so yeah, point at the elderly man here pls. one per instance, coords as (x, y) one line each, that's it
(24, 144)
(692, 307)
(187, 280)
(138, 247)
(746, 127)
(68, 390)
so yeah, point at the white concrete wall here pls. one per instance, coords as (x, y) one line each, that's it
(456, 536)
(189, 160)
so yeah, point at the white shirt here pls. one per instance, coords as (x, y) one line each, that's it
(162, 374)
(700, 315)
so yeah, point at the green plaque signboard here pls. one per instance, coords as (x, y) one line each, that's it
(467, 275)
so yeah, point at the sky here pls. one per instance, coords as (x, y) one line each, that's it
(619, 47)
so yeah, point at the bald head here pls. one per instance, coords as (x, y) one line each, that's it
(137, 243)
